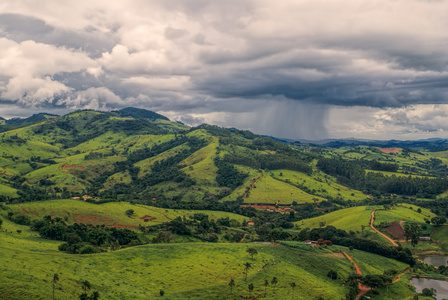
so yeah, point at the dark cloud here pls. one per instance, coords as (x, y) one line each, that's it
(21, 28)
(272, 67)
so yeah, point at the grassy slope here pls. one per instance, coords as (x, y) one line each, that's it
(403, 212)
(109, 213)
(347, 219)
(403, 161)
(145, 165)
(201, 164)
(440, 234)
(270, 190)
(183, 271)
(324, 185)
(8, 191)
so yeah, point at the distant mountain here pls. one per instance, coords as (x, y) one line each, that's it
(34, 118)
(431, 144)
(138, 113)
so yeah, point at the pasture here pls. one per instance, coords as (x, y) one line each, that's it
(347, 219)
(270, 190)
(182, 271)
(321, 184)
(403, 212)
(77, 211)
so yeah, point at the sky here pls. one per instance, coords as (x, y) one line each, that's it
(293, 69)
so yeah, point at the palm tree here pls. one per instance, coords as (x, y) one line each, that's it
(86, 286)
(55, 279)
(247, 266)
(293, 285)
(266, 283)
(231, 284)
(251, 288)
(274, 282)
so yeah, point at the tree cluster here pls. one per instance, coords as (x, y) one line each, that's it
(84, 239)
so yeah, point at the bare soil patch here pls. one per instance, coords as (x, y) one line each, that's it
(146, 217)
(393, 150)
(396, 230)
(91, 219)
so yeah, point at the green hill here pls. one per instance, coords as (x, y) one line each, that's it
(147, 180)
(78, 211)
(182, 271)
(139, 153)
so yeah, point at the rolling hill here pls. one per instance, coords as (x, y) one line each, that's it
(136, 204)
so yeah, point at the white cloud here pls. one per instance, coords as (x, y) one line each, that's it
(28, 68)
(219, 61)
(92, 98)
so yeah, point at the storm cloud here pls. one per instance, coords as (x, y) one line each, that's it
(297, 69)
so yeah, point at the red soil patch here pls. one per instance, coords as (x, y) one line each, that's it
(146, 217)
(372, 218)
(396, 230)
(34, 213)
(394, 150)
(90, 219)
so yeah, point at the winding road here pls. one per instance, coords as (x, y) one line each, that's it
(372, 218)
(362, 288)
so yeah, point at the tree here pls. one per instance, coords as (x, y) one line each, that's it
(293, 286)
(429, 292)
(95, 295)
(412, 232)
(162, 292)
(231, 284)
(250, 288)
(129, 212)
(274, 282)
(332, 274)
(375, 281)
(266, 283)
(247, 266)
(54, 280)
(252, 252)
(438, 221)
(85, 286)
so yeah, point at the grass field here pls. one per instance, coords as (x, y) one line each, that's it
(201, 164)
(183, 271)
(8, 191)
(403, 212)
(320, 183)
(352, 218)
(440, 234)
(108, 213)
(269, 190)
